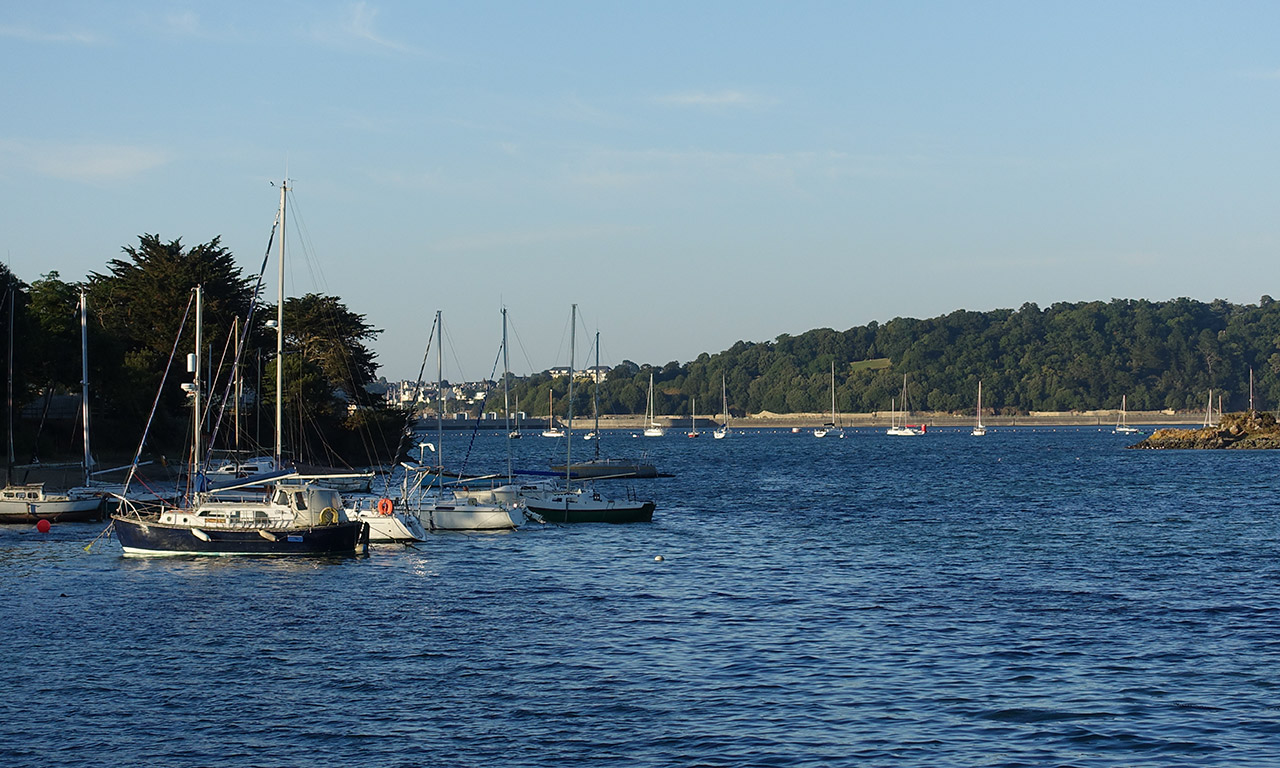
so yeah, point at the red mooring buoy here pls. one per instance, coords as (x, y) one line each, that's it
(43, 526)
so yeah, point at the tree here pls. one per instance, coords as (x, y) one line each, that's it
(326, 333)
(141, 302)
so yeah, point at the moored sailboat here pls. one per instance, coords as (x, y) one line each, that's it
(579, 505)
(898, 421)
(552, 430)
(29, 502)
(440, 510)
(1122, 423)
(722, 431)
(831, 427)
(301, 519)
(978, 429)
(651, 428)
(600, 468)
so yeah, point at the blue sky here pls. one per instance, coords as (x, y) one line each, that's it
(690, 174)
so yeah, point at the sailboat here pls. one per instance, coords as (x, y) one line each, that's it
(300, 519)
(580, 505)
(552, 430)
(651, 428)
(722, 431)
(830, 427)
(600, 468)
(1122, 424)
(693, 418)
(448, 512)
(29, 502)
(109, 494)
(898, 421)
(978, 429)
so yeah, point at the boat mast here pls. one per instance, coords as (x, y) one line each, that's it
(724, 401)
(279, 449)
(595, 396)
(238, 387)
(978, 423)
(649, 409)
(8, 469)
(195, 446)
(506, 382)
(84, 380)
(440, 392)
(833, 393)
(568, 430)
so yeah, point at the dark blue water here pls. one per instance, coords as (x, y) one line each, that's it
(1031, 598)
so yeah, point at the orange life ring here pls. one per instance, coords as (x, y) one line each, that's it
(385, 506)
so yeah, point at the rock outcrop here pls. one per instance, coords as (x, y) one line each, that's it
(1250, 429)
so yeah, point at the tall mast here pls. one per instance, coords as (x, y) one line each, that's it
(595, 396)
(198, 414)
(84, 380)
(238, 384)
(11, 295)
(279, 450)
(440, 392)
(833, 393)
(568, 430)
(506, 383)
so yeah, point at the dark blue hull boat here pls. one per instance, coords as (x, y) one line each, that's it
(151, 537)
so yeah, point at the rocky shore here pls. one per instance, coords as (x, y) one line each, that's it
(1235, 430)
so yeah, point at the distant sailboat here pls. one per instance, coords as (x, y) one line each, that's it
(552, 430)
(830, 427)
(651, 429)
(604, 467)
(897, 423)
(722, 431)
(1122, 424)
(978, 429)
(693, 418)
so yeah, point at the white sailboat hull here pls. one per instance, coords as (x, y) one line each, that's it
(464, 515)
(903, 431)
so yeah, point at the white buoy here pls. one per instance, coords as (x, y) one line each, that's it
(659, 558)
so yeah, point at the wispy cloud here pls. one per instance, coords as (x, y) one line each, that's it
(88, 163)
(78, 37)
(728, 98)
(529, 238)
(616, 169)
(357, 26)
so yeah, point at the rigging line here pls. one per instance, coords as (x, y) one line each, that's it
(217, 371)
(454, 352)
(355, 380)
(314, 268)
(258, 288)
(493, 372)
(137, 456)
(519, 342)
(448, 341)
(338, 345)
(564, 331)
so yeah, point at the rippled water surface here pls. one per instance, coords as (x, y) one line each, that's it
(1031, 598)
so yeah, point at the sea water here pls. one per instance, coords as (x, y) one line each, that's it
(1035, 597)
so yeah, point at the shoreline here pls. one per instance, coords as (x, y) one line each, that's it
(767, 420)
